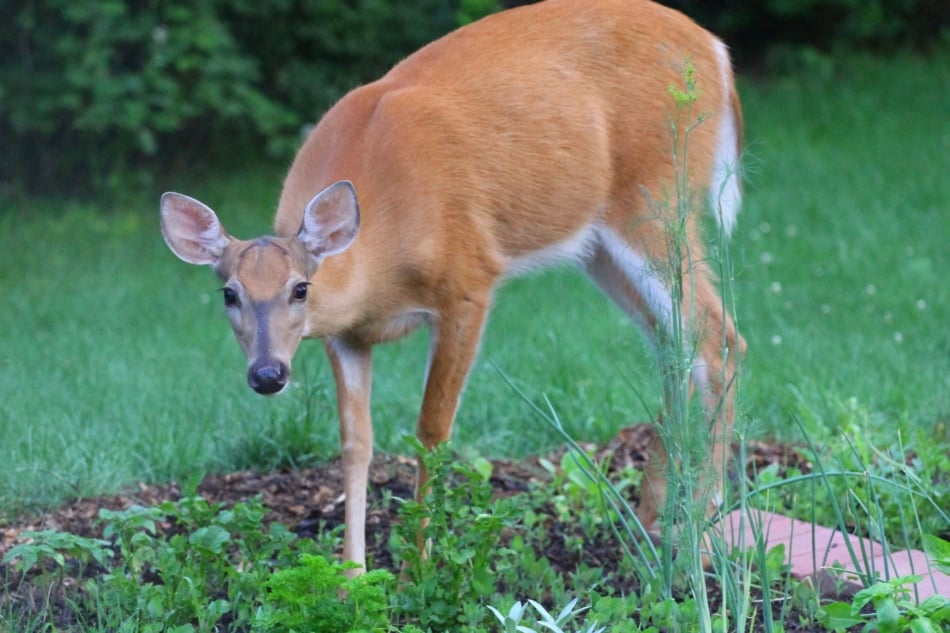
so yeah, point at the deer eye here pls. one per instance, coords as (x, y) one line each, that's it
(230, 298)
(300, 291)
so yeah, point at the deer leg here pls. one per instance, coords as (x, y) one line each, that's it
(613, 277)
(456, 335)
(352, 370)
(719, 349)
(633, 282)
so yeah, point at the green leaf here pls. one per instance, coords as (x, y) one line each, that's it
(938, 551)
(483, 467)
(922, 625)
(212, 538)
(155, 606)
(876, 592)
(26, 552)
(888, 615)
(461, 557)
(838, 616)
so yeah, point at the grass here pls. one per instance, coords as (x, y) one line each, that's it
(117, 365)
(845, 243)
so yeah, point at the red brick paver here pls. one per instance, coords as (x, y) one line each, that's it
(811, 549)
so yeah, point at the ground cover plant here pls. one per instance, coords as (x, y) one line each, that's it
(219, 557)
(113, 368)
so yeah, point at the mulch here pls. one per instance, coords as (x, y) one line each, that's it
(311, 498)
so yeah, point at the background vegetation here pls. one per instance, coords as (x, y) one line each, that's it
(95, 96)
(116, 364)
(90, 89)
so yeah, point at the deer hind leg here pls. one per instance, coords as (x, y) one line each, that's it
(717, 349)
(631, 279)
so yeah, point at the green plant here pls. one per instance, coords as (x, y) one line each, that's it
(105, 84)
(179, 566)
(471, 10)
(894, 610)
(107, 88)
(214, 562)
(54, 547)
(938, 551)
(782, 32)
(461, 526)
(575, 490)
(861, 488)
(316, 595)
(512, 621)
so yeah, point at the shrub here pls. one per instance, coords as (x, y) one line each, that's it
(93, 90)
(94, 86)
(788, 32)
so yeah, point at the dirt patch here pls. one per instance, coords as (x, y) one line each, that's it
(306, 498)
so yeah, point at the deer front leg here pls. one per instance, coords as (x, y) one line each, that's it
(455, 337)
(352, 370)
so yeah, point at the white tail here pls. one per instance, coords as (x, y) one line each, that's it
(531, 137)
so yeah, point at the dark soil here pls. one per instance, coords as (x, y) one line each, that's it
(311, 499)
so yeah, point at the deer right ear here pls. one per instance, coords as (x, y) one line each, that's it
(192, 230)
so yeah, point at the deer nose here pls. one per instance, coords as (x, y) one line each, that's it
(267, 377)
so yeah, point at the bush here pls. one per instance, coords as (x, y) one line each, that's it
(96, 86)
(93, 92)
(778, 32)
(94, 89)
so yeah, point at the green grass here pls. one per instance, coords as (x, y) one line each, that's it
(842, 292)
(117, 364)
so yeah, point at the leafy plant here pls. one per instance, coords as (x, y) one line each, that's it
(179, 566)
(54, 547)
(577, 491)
(214, 562)
(316, 595)
(103, 85)
(512, 621)
(92, 90)
(461, 524)
(893, 610)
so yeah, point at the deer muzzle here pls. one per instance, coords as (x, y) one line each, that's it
(268, 377)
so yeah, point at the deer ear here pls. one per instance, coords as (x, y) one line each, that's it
(331, 220)
(192, 230)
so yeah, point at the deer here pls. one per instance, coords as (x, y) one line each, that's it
(537, 136)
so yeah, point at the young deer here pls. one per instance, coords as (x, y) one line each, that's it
(532, 137)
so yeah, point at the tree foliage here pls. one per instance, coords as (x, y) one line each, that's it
(766, 33)
(93, 92)
(115, 92)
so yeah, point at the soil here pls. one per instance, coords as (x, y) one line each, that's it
(311, 499)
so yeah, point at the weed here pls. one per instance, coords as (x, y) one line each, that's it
(187, 565)
(462, 525)
(53, 546)
(892, 610)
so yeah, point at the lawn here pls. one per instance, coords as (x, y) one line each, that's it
(117, 365)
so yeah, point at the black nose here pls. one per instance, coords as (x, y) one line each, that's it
(267, 377)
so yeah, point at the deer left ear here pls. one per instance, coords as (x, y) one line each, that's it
(331, 220)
